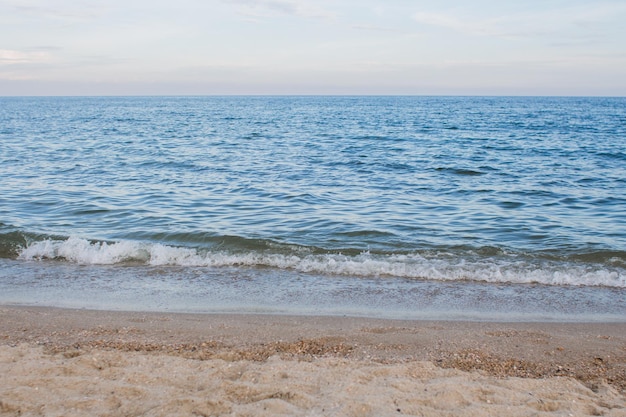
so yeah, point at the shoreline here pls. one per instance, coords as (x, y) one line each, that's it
(287, 292)
(588, 356)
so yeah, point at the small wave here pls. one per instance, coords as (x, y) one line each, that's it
(614, 155)
(443, 266)
(13, 241)
(460, 171)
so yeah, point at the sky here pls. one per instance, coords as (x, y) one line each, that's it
(215, 47)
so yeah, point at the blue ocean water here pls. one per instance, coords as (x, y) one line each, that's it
(389, 206)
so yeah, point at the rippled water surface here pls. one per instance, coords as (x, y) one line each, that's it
(357, 190)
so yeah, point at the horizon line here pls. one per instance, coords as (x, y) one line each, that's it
(307, 95)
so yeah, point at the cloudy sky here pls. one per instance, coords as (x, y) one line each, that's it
(129, 47)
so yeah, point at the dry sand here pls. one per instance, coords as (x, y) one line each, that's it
(56, 362)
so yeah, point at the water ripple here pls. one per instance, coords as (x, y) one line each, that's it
(391, 174)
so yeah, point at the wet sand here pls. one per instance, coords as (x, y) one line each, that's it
(103, 363)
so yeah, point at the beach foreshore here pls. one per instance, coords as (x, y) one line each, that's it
(110, 363)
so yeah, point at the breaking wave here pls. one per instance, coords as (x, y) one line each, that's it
(443, 265)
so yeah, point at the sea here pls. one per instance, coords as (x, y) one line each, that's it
(445, 208)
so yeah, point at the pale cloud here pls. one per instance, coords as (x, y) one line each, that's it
(12, 57)
(373, 28)
(447, 21)
(18, 65)
(267, 8)
(65, 10)
(502, 26)
(526, 24)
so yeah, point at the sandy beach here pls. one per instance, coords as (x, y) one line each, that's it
(57, 362)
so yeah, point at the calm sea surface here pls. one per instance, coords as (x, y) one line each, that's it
(416, 207)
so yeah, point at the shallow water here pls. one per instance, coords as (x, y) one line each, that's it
(275, 291)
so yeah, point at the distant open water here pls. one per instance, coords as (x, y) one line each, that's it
(439, 207)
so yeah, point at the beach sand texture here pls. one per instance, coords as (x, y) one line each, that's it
(56, 362)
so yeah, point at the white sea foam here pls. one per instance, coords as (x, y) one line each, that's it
(436, 267)
(83, 251)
